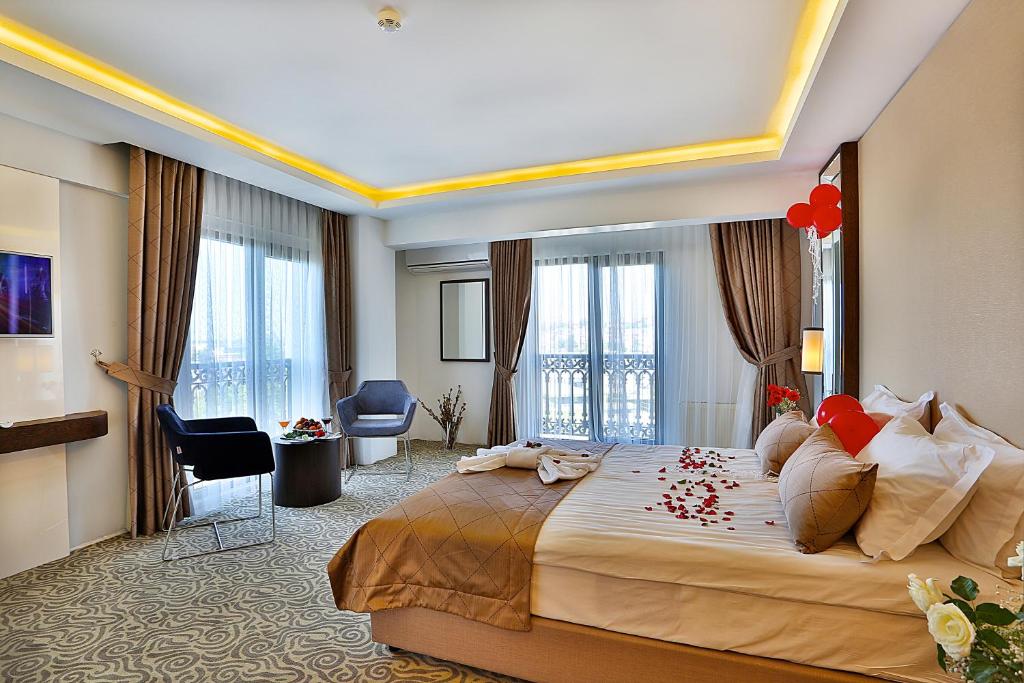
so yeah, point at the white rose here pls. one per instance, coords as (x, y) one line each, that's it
(1018, 559)
(951, 629)
(924, 593)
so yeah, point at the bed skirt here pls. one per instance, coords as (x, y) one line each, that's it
(558, 651)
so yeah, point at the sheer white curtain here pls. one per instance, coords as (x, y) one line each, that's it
(627, 342)
(256, 343)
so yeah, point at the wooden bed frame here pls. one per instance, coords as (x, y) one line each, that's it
(560, 652)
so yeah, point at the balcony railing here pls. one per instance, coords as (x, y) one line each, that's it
(224, 388)
(627, 406)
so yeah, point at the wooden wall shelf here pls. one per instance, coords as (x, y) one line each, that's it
(51, 431)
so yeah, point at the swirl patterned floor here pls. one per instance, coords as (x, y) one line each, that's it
(115, 612)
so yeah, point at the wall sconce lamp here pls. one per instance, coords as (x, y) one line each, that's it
(813, 353)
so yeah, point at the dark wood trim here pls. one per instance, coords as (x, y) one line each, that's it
(487, 320)
(52, 431)
(850, 351)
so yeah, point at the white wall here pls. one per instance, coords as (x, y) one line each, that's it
(373, 317)
(33, 483)
(419, 356)
(89, 203)
(94, 249)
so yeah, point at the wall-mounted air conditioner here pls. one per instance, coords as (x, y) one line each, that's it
(448, 259)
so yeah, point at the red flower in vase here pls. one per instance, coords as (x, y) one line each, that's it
(782, 398)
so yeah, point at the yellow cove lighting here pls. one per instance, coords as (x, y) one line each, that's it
(810, 37)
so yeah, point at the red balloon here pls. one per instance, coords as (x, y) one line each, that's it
(825, 194)
(827, 218)
(800, 215)
(854, 429)
(822, 234)
(833, 405)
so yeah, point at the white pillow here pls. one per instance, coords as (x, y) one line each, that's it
(881, 400)
(922, 485)
(985, 533)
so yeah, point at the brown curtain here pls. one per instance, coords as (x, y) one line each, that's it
(338, 305)
(165, 207)
(758, 268)
(511, 289)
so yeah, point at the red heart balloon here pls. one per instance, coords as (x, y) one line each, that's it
(854, 429)
(833, 405)
(800, 215)
(825, 194)
(822, 234)
(827, 218)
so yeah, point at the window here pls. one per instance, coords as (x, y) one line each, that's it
(256, 341)
(627, 342)
(597, 325)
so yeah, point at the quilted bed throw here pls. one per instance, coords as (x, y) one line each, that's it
(463, 545)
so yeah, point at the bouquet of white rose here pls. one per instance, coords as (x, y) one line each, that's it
(982, 643)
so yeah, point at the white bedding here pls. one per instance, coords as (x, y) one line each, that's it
(603, 560)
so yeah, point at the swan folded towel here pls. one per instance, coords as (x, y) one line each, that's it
(552, 464)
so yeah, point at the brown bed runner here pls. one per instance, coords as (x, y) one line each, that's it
(463, 545)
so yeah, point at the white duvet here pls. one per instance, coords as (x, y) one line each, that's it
(603, 559)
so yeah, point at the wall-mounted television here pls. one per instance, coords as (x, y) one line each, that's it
(26, 295)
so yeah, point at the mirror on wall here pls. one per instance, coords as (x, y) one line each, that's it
(838, 308)
(465, 320)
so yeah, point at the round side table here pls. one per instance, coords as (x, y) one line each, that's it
(306, 473)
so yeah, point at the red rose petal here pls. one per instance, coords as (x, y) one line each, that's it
(648, 508)
(667, 495)
(673, 487)
(731, 528)
(661, 478)
(662, 469)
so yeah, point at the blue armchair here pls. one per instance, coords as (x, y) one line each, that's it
(377, 397)
(218, 448)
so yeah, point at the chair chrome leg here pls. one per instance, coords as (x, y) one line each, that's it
(273, 517)
(170, 531)
(408, 459)
(355, 468)
(350, 460)
(216, 528)
(170, 499)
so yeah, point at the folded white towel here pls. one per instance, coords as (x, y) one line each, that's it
(551, 469)
(552, 464)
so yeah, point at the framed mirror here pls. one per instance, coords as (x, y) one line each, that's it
(466, 320)
(838, 309)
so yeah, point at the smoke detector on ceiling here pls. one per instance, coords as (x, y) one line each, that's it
(389, 20)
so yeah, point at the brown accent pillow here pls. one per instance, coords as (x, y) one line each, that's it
(824, 491)
(780, 439)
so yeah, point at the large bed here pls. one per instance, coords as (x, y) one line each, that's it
(623, 589)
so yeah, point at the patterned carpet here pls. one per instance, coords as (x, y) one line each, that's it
(115, 612)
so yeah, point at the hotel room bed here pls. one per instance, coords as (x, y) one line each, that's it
(675, 593)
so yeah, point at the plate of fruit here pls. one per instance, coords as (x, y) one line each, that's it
(307, 426)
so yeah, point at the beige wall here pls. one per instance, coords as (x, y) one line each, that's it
(942, 215)
(419, 356)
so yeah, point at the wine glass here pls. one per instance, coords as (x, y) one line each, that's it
(284, 425)
(327, 423)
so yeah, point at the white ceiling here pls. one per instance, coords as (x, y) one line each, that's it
(467, 86)
(472, 86)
